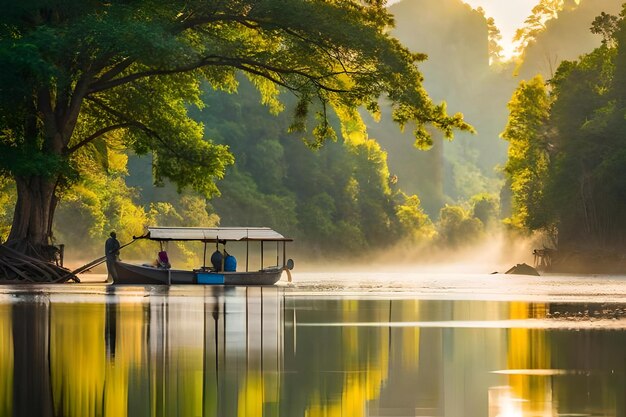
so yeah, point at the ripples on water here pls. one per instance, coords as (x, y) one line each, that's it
(329, 345)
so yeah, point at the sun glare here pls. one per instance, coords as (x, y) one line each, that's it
(502, 403)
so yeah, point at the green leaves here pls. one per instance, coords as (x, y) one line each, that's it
(25, 162)
(605, 25)
(527, 165)
(81, 78)
(329, 54)
(566, 156)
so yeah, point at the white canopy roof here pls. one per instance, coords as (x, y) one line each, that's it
(212, 234)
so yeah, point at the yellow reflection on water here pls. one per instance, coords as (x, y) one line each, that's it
(358, 389)
(410, 335)
(6, 360)
(365, 363)
(90, 363)
(77, 358)
(115, 395)
(234, 354)
(129, 354)
(250, 399)
(529, 349)
(350, 340)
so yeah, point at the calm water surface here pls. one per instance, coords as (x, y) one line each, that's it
(339, 346)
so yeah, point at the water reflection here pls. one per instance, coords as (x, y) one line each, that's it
(264, 352)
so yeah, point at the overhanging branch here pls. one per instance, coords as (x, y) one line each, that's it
(255, 67)
(102, 85)
(114, 71)
(96, 135)
(141, 126)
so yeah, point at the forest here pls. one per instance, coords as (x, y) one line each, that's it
(566, 155)
(542, 157)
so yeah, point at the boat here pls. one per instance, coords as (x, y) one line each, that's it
(126, 273)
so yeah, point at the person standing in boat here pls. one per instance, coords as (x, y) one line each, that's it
(112, 252)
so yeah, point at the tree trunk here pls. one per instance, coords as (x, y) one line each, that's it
(31, 231)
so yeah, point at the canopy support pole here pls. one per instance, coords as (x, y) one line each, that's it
(247, 253)
(284, 253)
(204, 258)
(262, 255)
(276, 253)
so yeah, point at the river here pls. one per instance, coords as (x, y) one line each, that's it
(342, 344)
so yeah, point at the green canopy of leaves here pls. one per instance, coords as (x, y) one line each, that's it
(527, 164)
(75, 71)
(566, 158)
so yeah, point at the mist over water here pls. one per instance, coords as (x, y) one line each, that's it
(498, 251)
(472, 272)
(475, 272)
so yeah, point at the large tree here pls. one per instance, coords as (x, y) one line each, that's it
(76, 73)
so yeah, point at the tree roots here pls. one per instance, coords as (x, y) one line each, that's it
(18, 268)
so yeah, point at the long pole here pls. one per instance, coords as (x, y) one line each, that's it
(95, 262)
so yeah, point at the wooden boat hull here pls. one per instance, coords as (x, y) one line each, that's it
(147, 275)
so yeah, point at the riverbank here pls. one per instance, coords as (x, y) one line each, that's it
(586, 262)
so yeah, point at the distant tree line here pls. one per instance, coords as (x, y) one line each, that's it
(339, 198)
(567, 155)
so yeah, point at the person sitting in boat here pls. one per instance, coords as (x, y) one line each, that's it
(230, 262)
(216, 260)
(163, 260)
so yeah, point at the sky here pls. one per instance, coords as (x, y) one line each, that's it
(509, 16)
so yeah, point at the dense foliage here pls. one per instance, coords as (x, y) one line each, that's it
(568, 154)
(527, 163)
(339, 199)
(76, 74)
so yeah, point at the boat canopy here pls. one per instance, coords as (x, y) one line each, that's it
(213, 234)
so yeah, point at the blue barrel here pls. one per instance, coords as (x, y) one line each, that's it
(230, 264)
